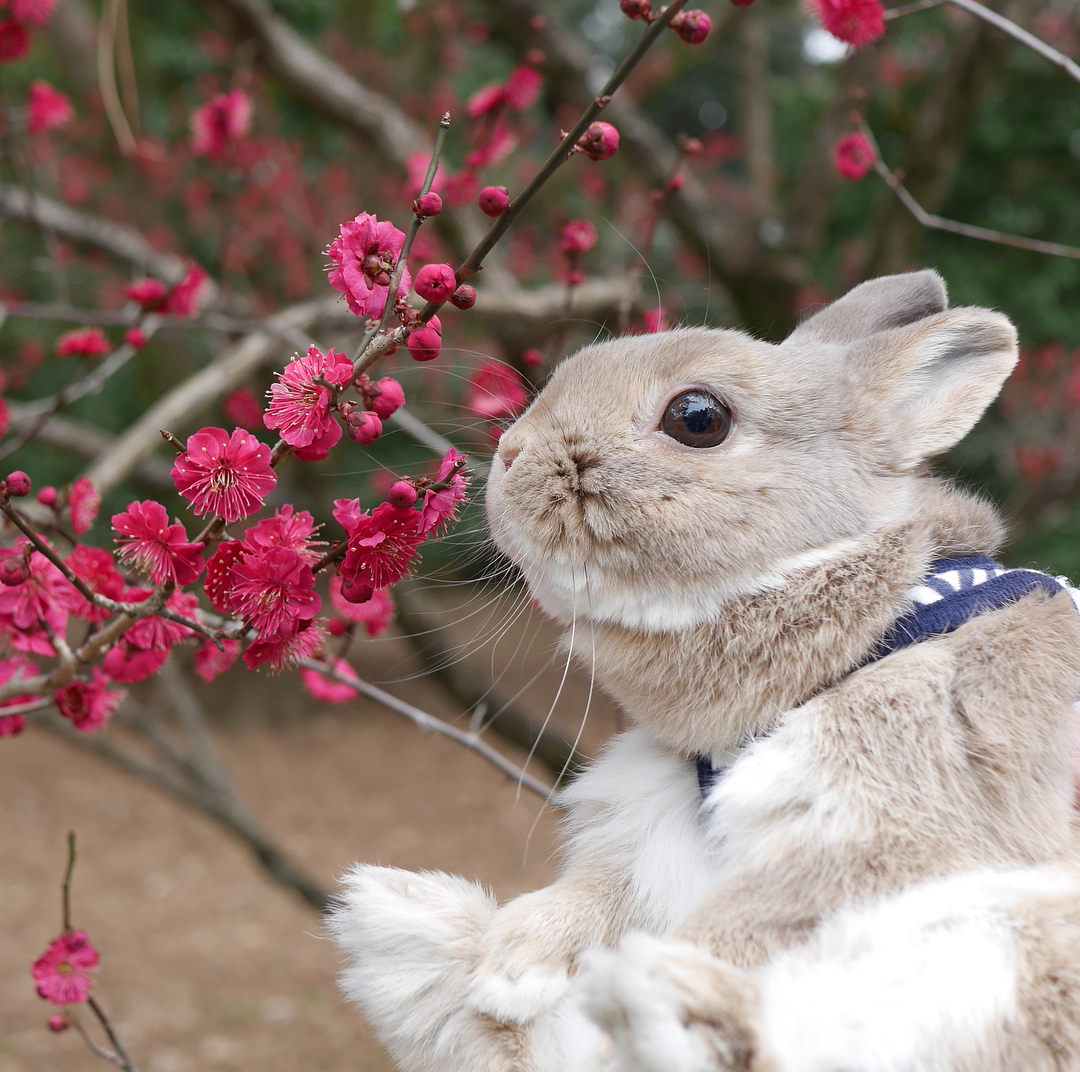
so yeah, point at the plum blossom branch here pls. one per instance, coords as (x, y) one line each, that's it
(1007, 26)
(939, 223)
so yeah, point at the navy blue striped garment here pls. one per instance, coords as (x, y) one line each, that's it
(955, 590)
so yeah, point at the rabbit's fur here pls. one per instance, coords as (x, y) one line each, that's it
(886, 876)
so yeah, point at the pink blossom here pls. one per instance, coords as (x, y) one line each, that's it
(494, 144)
(531, 358)
(149, 293)
(14, 40)
(219, 122)
(210, 662)
(375, 613)
(326, 689)
(855, 21)
(58, 1022)
(460, 189)
(578, 236)
(135, 338)
(10, 668)
(35, 12)
(84, 501)
(61, 972)
(88, 703)
(424, 344)
(494, 200)
(184, 298)
(496, 391)
(381, 547)
(47, 108)
(285, 529)
(635, 9)
(17, 484)
(274, 591)
(5, 418)
(128, 663)
(285, 650)
(435, 282)
(219, 474)
(155, 633)
(692, 26)
(440, 507)
(83, 342)
(383, 397)
(654, 319)
(599, 140)
(853, 156)
(243, 409)
(47, 495)
(364, 257)
(299, 407)
(521, 90)
(94, 566)
(217, 584)
(321, 447)
(152, 546)
(45, 596)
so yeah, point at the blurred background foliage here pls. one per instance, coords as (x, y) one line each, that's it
(994, 143)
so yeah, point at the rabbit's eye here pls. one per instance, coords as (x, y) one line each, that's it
(696, 419)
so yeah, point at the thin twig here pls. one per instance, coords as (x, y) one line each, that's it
(124, 1061)
(65, 889)
(939, 223)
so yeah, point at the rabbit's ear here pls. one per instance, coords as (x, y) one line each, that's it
(924, 386)
(877, 305)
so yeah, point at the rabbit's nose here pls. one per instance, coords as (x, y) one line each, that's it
(508, 454)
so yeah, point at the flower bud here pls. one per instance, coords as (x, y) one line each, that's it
(494, 200)
(535, 57)
(575, 278)
(531, 358)
(675, 182)
(18, 484)
(464, 297)
(364, 426)
(692, 26)
(135, 338)
(337, 627)
(383, 398)
(47, 495)
(578, 236)
(691, 146)
(402, 494)
(429, 204)
(742, 3)
(356, 590)
(14, 570)
(424, 344)
(59, 1022)
(636, 9)
(599, 141)
(435, 282)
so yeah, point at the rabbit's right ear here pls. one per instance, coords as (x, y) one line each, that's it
(892, 301)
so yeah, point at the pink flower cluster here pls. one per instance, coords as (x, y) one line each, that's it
(14, 32)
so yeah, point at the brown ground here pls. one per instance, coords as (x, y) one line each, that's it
(206, 963)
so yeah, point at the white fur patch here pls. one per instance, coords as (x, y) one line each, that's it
(535, 991)
(637, 810)
(903, 985)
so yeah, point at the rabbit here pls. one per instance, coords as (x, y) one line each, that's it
(827, 841)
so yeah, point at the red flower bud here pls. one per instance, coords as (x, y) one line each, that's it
(429, 204)
(531, 358)
(675, 182)
(336, 627)
(47, 495)
(493, 200)
(18, 484)
(578, 236)
(691, 147)
(742, 3)
(535, 57)
(599, 141)
(364, 427)
(135, 338)
(464, 297)
(59, 1022)
(14, 570)
(424, 344)
(692, 26)
(575, 278)
(382, 398)
(853, 156)
(356, 590)
(435, 282)
(636, 9)
(402, 494)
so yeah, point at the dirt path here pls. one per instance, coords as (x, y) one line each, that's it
(206, 964)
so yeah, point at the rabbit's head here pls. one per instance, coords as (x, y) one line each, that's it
(657, 477)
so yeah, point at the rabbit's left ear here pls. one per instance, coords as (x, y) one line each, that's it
(924, 386)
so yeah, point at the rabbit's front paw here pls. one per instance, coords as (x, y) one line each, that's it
(666, 1006)
(411, 941)
(526, 958)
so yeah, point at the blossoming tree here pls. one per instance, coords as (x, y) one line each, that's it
(239, 547)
